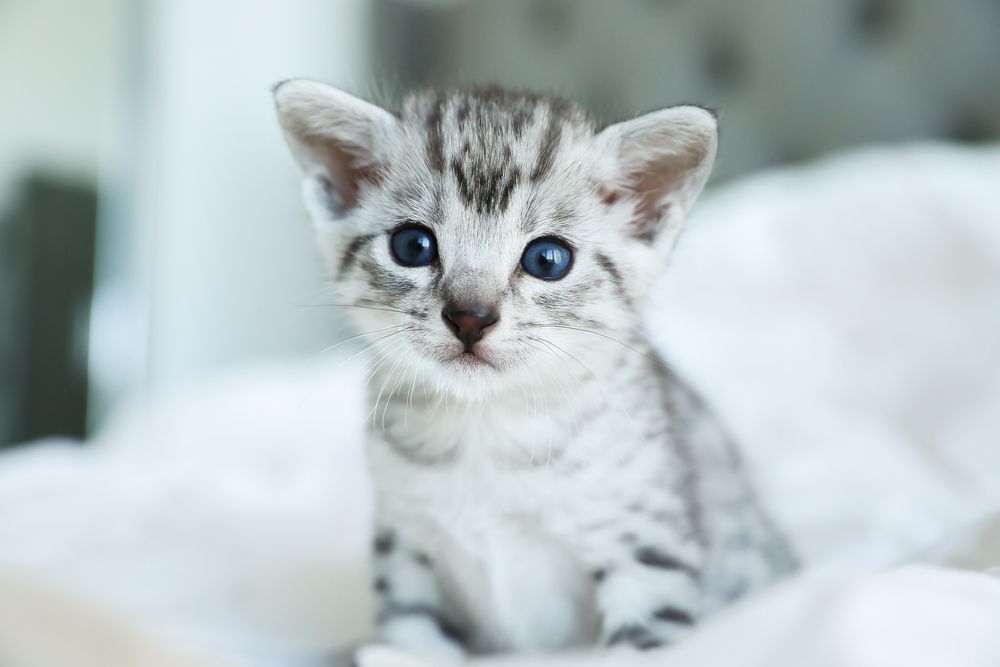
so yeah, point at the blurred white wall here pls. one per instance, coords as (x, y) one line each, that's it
(206, 253)
(54, 57)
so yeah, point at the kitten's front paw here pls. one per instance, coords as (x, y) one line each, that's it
(670, 625)
(421, 636)
(635, 636)
(384, 655)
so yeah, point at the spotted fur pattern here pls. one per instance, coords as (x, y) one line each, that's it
(559, 485)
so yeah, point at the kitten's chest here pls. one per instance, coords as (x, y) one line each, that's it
(526, 477)
(470, 498)
(505, 509)
(500, 552)
(468, 477)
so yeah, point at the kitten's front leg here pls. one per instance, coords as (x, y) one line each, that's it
(648, 597)
(409, 608)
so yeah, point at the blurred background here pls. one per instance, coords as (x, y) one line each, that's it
(841, 312)
(151, 231)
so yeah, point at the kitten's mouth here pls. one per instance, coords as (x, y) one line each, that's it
(469, 359)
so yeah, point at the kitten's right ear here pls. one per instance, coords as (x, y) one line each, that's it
(334, 137)
(661, 163)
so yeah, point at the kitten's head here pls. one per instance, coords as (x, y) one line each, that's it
(485, 234)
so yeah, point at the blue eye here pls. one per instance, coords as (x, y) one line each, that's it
(414, 246)
(547, 259)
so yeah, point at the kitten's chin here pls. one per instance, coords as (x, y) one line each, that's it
(493, 368)
(477, 375)
(470, 374)
(471, 363)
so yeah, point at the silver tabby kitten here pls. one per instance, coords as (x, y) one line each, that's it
(542, 479)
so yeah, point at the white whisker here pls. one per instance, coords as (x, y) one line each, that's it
(600, 388)
(360, 335)
(388, 358)
(364, 349)
(392, 392)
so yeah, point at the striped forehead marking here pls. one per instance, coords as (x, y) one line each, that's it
(475, 136)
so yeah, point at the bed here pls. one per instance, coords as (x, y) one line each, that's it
(844, 318)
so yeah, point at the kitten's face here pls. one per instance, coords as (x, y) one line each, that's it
(483, 239)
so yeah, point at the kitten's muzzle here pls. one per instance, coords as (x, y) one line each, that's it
(469, 324)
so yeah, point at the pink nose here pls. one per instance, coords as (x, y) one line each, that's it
(468, 324)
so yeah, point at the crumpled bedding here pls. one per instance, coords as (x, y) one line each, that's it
(910, 615)
(842, 316)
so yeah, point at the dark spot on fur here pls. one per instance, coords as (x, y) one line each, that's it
(547, 300)
(630, 538)
(634, 635)
(609, 196)
(385, 542)
(483, 187)
(599, 575)
(564, 304)
(508, 188)
(447, 627)
(652, 557)
(351, 252)
(546, 156)
(673, 615)
(435, 140)
(462, 113)
(382, 585)
(450, 630)
(422, 559)
(464, 187)
(520, 120)
(382, 281)
(616, 277)
(487, 120)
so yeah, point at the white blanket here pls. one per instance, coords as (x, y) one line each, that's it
(844, 318)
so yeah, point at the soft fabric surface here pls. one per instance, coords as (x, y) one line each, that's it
(844, 318)
(914, 615)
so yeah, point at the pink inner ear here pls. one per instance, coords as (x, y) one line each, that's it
(651, 185)
(347, 174)
(650, 189)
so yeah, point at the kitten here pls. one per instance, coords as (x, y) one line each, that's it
(543, 480)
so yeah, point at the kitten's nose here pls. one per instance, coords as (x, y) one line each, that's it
(468, 323)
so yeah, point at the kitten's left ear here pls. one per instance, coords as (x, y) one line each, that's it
(335, 139)
(660, 162)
